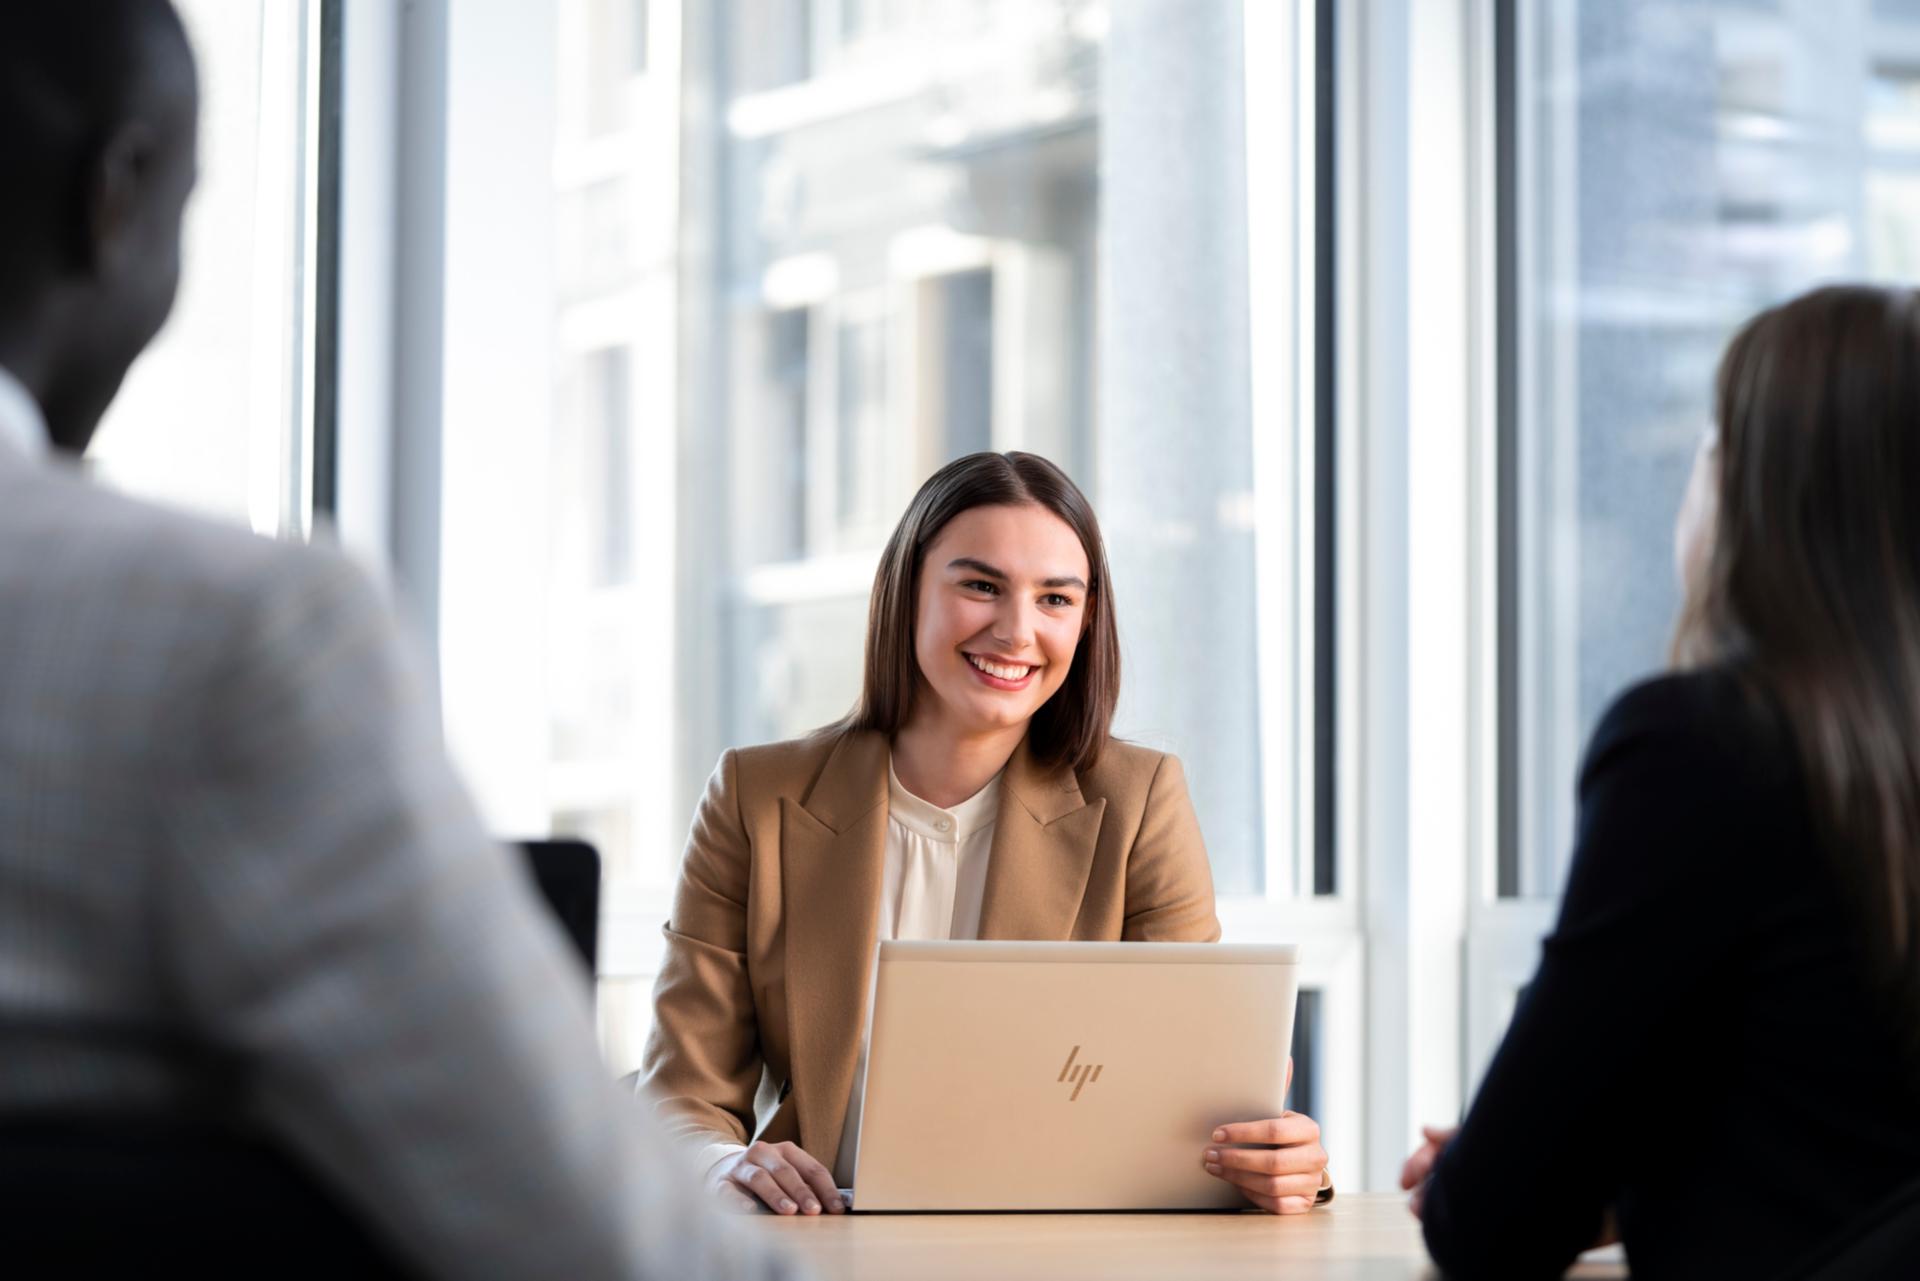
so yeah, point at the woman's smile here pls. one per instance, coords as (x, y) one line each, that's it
(1000, 674)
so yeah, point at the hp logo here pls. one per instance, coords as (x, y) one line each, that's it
(1082, 1075)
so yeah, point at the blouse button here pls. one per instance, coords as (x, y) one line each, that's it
(944, 825)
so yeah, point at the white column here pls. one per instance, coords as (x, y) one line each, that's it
(1419, 571)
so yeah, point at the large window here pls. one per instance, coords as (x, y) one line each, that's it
(665, 310)
(217, 415)
(1676, 165)
(790, 259)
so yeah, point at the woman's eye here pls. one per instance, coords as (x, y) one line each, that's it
(1056, 600)
(977, 585)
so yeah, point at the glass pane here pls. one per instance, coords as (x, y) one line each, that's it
(211, 416)
(1682, 163)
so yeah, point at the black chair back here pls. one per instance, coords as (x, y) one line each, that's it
(568, 875)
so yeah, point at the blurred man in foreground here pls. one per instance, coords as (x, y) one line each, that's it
(238, 879)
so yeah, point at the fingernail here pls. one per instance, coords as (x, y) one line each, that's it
(1212, 1168)
(1219, 1136)
(813, 1207)
(787, 1207)
(1212, 1156)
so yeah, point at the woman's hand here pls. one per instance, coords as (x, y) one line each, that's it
(1284, 1177)
(1419, 1166)
(780, 1176)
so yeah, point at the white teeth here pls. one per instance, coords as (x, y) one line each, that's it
(1000, 670)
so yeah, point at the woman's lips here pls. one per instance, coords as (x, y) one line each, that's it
(993, 679)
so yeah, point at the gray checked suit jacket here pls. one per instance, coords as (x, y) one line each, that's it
(228, 831)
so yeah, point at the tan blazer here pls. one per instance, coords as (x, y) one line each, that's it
(775, 919)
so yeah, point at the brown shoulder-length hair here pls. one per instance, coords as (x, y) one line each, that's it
(1070, 728)
(1812, 584)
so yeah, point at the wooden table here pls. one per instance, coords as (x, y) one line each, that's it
(1356, 1238)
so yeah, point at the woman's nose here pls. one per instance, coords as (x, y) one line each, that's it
(1014, 626)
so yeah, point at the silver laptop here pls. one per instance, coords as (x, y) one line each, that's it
(1067, 1076)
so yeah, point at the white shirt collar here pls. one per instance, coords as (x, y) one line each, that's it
(22, 426)
(948, 826)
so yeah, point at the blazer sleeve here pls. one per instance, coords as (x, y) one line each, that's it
(406, 1015)
(1169, 881)
(703, 1062)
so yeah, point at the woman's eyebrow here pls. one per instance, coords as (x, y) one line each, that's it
(977, 566)
(985, 570)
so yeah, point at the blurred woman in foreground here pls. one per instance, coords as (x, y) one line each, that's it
(1720, 1052)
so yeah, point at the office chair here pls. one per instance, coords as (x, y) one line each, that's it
(567, 874)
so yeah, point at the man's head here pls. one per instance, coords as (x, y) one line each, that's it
(98, 108)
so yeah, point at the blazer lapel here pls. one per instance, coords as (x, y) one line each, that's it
(832, 847)
(1043, 846)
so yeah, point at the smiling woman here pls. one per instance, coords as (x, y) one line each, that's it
(974, 793)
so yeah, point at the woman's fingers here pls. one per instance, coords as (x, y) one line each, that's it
(1304, 1158)
(818, 1178)
(760, 1182)
(1272, 1186)
(1283, 1177)
(1281, 1205)
(784, 1178)
(766, 1185)
(1419, 1166)
(767, 1173)
(1284, 1130)
(723, 1184)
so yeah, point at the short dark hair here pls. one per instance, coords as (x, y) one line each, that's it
(1070, 728)
(71, 73)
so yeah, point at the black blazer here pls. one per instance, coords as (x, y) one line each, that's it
(1699, 1048)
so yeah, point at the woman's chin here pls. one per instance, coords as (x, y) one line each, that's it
(999, 712)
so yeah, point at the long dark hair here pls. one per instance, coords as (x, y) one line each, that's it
(1071, 727)
(1812, 584)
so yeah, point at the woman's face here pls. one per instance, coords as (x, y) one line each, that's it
(1693, 530)
(1003, 600)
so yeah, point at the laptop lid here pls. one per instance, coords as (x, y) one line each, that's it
(1067, 1076)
